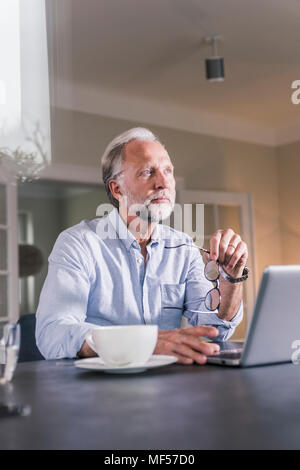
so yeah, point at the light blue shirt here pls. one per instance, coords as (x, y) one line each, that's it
(98, 276)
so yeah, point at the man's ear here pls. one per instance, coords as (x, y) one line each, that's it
(115, 189)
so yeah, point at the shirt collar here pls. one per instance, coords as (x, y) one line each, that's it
(125, 235)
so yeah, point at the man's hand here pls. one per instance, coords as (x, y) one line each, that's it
(185, 343)
(228, 248)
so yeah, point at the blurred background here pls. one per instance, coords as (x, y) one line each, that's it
(97, 68)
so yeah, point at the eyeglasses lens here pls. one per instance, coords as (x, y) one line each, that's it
(211, 271)
(212, 299)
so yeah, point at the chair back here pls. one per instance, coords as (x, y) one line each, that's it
(28, 348)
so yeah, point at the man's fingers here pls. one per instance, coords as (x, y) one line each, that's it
(226, 238)
(214, 245)
(200, 330)
(232, 245)
(197, 345)
(240, 252)
(191, 346)
(187, 347)
(183, 359)
(201, 346)
(185, 351)
(226, 246)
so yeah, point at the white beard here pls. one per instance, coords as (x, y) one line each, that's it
(148, 212)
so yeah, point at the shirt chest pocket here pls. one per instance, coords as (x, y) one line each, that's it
(172, 303)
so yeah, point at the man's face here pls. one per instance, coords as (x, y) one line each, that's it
(148, 179)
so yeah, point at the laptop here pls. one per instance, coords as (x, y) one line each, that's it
(274, 326)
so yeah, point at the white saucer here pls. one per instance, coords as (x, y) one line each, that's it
(95, 363)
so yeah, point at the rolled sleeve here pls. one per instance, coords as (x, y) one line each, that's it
(225, 328)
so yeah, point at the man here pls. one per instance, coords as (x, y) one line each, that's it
(125, 268)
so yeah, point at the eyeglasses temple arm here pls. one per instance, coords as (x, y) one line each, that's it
(202, 249)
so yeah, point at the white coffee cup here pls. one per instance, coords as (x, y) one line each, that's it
(124, 344)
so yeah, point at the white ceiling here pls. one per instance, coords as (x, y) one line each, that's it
(150, 54)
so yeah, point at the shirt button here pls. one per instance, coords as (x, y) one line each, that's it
(139, 260)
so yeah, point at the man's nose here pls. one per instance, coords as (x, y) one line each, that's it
(161, 180)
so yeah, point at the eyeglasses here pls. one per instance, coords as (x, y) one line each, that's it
(212, 299)
(212, 273)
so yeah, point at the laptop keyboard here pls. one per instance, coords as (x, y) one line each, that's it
(230, 346)
(230, 350)
(229, 355)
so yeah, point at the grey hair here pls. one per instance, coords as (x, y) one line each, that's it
(112, 158)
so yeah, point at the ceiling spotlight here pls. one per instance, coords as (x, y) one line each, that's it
(214, 65)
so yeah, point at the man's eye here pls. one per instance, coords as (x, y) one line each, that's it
(147, 172)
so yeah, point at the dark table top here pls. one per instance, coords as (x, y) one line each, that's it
(174, 407)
